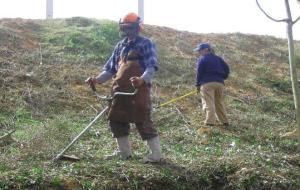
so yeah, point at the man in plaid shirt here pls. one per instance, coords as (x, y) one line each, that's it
(132, 65)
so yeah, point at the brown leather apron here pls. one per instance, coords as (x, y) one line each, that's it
(131, 109)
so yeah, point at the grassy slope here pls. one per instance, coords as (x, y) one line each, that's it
(47, 102)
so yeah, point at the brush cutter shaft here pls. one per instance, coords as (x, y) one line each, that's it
(80, 134)
(96, 118)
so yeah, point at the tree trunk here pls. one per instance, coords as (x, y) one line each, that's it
(293, 69)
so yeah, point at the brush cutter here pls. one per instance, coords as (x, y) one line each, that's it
(101, 98)
(67, 157)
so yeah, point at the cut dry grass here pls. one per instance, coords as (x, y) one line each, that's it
(48, 104)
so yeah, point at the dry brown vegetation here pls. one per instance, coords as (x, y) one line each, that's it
(43, 65)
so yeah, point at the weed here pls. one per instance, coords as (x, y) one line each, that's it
(49, 105)
(3, 168)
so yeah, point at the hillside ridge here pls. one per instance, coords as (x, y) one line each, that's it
(43, 65)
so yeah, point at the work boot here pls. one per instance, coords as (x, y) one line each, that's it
(124, 149)
(155, 155)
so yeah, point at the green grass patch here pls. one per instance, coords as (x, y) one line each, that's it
(49, 105)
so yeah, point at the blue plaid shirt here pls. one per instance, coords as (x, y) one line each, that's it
(143, 46)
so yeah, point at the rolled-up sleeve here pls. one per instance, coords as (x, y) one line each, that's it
(104, 76)
(148, 75)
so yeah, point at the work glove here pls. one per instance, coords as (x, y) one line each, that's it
(136, 81)
(198, 89)
(91, 81)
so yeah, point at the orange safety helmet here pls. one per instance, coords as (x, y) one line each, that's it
(130, 18)
(130, 25)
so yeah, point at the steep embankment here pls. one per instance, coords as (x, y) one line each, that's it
(43, 65)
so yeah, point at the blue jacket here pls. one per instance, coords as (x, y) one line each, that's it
(211, 68)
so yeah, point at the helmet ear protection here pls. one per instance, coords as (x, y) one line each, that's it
(139, 24)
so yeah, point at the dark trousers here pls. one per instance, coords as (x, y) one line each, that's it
(146, 129)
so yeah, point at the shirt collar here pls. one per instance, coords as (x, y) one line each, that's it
(126, 40)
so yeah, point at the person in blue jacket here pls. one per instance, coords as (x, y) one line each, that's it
(212, 70)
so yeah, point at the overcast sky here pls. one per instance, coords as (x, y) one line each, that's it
(201, 16)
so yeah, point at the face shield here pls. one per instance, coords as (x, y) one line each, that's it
(129, 29)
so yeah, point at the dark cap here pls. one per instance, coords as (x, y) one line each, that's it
(202, 46)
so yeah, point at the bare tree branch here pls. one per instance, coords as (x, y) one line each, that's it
(276, 20)
(297, 18)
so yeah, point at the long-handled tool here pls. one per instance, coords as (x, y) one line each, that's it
(178, 98)
(61, 154)
(80, 134)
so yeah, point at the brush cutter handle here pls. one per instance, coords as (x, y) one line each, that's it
(109, 98)
(91, 82)
(93, 87)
